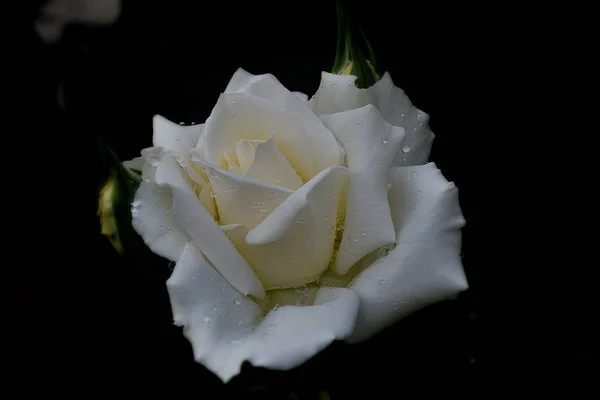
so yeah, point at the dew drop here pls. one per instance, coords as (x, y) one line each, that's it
(154, 161)
(232, 101)
(406, 148)
(334, 86)
(359, 125)
(355, 240)
(235, 341)
(302, 289)
(237, 302)
(384, 141)
(271, 327)
(240, 322)
(364, 234)
(215, 308)
(207, 318)
(182, 123)
(171, 265)
(136, 203)
(326, 218)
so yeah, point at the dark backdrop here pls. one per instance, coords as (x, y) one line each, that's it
(174, 58)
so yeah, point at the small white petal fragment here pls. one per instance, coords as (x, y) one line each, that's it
(189, 213)
(294, 244)
(425, 266)
(241, 200)
(338, 93)
(224, 329)
(271, 166)
(371, 145)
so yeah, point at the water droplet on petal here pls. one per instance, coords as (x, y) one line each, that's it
(207, 318)
(302, 289)
(384, 141)
(154, 161)
(334, 86)
(215, 308)
(406, 148)
(182, 123)
(237, 302)
(136, 203)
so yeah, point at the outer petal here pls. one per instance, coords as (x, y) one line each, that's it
(152, 212)
(294, 244)
(225, 328)
(425, 266)
(265, 86)
(298, 133)
(174, 137)
(241, 200)
(189, 213)
(371, 145)
(270, 166)
(339, 93)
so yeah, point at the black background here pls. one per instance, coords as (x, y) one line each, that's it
(174, 58)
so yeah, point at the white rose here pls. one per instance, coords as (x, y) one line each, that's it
(294, 223)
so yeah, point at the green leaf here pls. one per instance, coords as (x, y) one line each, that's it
(115, 195)
(354, 54)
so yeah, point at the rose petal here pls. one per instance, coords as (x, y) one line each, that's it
(294, 244)
(425, 267)
(265, 86)
(339, 93)
(241, 200)
(189, 213)
(225, 328)
(371, 145)
(298, 133)
(174, 137)
(270, 166)
(152, 216)
(244, 150)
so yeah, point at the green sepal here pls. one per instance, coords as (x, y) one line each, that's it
(116, 192)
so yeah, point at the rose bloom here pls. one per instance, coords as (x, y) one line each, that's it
(296, 222)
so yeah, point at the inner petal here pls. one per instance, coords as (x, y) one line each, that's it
(300, 135)
(294, 244)
(244, 150)
(270, 166)
(241, 200)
